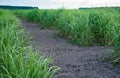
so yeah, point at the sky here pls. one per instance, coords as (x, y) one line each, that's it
(48, 4)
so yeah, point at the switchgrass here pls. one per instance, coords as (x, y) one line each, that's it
(16, 59)
(83, 27)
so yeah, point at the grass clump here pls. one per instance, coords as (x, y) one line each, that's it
(17, 60)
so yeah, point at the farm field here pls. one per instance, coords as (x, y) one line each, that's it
(82, 27)
(84, 43)
(89, 27)
(78, 40)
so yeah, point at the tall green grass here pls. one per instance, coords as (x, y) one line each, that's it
(83, 27)
(16, 59)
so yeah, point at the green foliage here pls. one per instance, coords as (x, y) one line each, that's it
(82, 27)
(16, 59)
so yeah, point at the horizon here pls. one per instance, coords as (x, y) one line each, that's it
(60, 7)
(67, 4)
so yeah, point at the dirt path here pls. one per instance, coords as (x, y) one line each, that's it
(75, 61)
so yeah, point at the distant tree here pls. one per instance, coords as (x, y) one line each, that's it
(17, 7)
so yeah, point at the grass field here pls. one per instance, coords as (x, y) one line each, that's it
(87, 27)
(16, 59)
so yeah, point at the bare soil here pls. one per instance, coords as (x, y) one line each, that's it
(75, 61)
